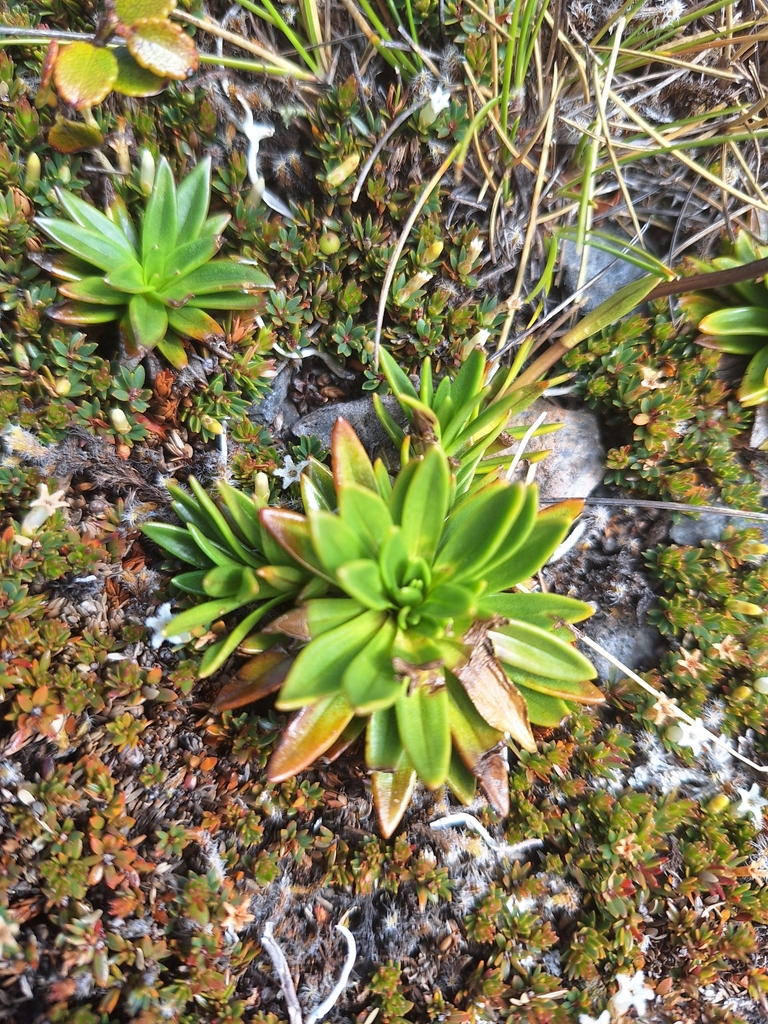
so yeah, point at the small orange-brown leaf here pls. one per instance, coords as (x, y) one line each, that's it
(257, 678)
(492, 772)
(84, 74)
(162, 47)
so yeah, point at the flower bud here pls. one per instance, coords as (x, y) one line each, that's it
(261, 488)
(62, 386)
(330, 243)
(146, 172)
(760, 685)
(718, 804)
(32, 177)
(339, 174)
(211, 425)
(411, 287)
(432, 252)
(120, 421)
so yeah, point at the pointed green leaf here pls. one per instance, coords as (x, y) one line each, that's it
(369, 680)
(392, 792)
(581, 691)
(542, 610)
(148, 319)
(244, 511)
(92, 289)
(83, 242)
(84, 313)
(218, 555)
(350, 461)
(449, 601)
(324, 614)
(259, 677)
(392, 427)
(471, 734)
(73, 136)
(215, 278)
(486, 520)
(217, 653)
(178, 541)
(216, 521)
(319, 668)
(422, 721)
(536, 651)
(184, 260)
(739, 345)
(159, 225)
(618, 305)
(468, 382)
(88, 216)
(171, 348)
(201, 615)
(547, 533)
(396, 378)
(223, 300)
(191, 582)
(425, 508)
(231, 581)
(426, 383)
(400, 489)
(317, 490)
(308, 735)
(192, 200)
(335, 541)
(736, 320)
(292, 532)
(194, 323)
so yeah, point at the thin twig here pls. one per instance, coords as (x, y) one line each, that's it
(674, 506)
(280, 964)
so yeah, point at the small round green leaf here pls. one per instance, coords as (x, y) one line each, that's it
(162, 47)
(84, 74)
(73, 136)
(133, 79)
(129, 11)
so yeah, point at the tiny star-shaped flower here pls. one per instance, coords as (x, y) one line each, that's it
(157, 624)
(44, 505)
(439, 99)
(291, 471)
(752, 802)
(694, 735)
(690, 662)
(727, 649)
(663, 709)
(633, 992)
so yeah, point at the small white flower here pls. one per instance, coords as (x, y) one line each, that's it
(44, 505)
(439, 99)
(604, 1018)
(694, 735)
(752, 803)
(291, 471)
(633, 992)
(157, 624)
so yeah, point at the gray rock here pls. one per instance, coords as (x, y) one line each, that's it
(633, 643)
(360, 414)
(617, 273)
(576, 463)
(276, 410)
(692, 530)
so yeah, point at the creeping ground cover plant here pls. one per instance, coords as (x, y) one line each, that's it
(404, 624)
(157, 281)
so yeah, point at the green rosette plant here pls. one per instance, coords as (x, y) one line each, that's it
(416, 640)
(159, 281)
(465, 415)
(735, 318)
(235, 564)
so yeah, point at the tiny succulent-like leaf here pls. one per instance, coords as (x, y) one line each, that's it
(162, 47)
(84, 74)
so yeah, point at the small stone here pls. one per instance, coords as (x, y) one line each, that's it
(576, 463)
(618, 272)
(360, 414)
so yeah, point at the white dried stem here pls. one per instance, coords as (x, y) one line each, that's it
(280, 964)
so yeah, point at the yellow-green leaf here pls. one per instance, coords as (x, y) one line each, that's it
(133, 79)
(129, 10)
(392, 792)
(162, 47)
(73, 136)
(84, 74)
(308, 735)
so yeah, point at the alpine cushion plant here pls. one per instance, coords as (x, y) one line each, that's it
(416, 640)
(735, 318)
(157, 282)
